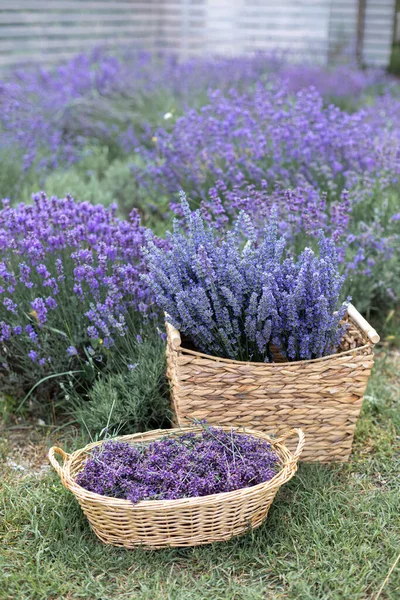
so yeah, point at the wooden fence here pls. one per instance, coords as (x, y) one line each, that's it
(48, 31)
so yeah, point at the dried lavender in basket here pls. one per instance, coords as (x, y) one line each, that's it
(185, 466)
(239, 296)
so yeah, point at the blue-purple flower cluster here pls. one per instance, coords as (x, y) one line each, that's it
(300, 210)
(271, 134)
(182, 466)
(251, 128)
(69, 279)
(244, 149)
(49, 114)
(239, 297)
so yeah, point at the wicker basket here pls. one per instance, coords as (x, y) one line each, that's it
(322, 396)
(186, 522)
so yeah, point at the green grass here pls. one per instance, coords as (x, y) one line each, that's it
(333, 533)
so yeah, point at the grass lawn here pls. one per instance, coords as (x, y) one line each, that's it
(333, 532)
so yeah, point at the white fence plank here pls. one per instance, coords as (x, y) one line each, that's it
(72, 32)
(23, 18)
(44, 44)
(57, 5)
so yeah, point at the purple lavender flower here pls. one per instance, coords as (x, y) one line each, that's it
(5, 331)
(75, 272)
(182, 466)
(10, 305)
(39, 310)
(33, 336)
(92, 332)
(299, 142)
(105, 253)
(51, 303)
(43, 272)
(33, 355)
(236, 296)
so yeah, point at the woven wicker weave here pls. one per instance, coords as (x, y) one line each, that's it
(186, 522)
(322, 396)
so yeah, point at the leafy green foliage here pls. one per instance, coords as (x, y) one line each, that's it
(131, 396)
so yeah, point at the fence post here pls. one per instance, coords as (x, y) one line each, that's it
(362, 5)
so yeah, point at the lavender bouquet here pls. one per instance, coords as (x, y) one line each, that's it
(179, 467)
(240, 297)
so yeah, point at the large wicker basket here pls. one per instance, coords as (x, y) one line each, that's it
(322, 396)
(186, 522)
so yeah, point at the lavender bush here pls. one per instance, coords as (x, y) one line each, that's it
(300, 211)
(136, 128)
(272, 135)
(366, 234)
(238, 298)
(242, 150)
(49, 116)
(69, 285)
(183, 466)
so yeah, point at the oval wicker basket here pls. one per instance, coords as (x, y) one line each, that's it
(185, 522)
(323, 396)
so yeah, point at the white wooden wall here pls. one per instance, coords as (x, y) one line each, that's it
(379, 31)
(46, 31)
(245, 26)
(342, 26)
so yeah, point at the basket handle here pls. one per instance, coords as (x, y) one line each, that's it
(363, 324)
(300, 445)
(172, 333)
(54, 462)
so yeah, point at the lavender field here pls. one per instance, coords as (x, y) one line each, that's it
(302, 164)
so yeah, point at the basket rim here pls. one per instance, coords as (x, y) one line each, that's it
(288, 364)
(287, 470)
